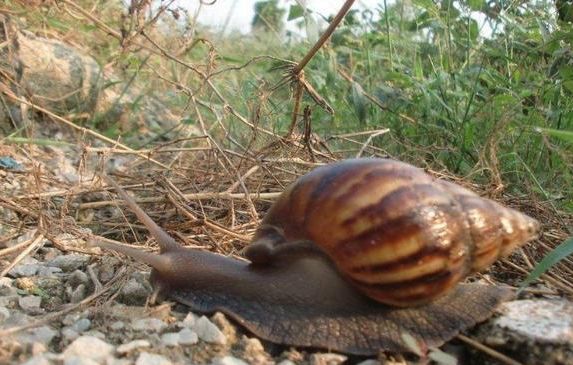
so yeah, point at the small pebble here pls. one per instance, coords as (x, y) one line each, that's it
(130, 346)
(145, 358)
(6, 282)
(78, 294)
(117, 325)
(30, 304)
(327, 359)
(37, 360)
(43, 334)
(208, 332)
(188, 337)
(69, 262)
(114, 361)
(70, 334)
(81, 325)
(22, 271)
(286, 362)
(78, 277)
(134, 292)
(49, 271)
(148, 324)
(228, 360)
(189, 320)
(71, 319)
(89, 347)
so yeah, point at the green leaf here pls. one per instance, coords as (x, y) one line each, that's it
(568, 85)
(359, 102)
(296, 11)
(566, 72)
(567, 136)
(559, 253)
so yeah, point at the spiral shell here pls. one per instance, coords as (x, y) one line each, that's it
(402, 237)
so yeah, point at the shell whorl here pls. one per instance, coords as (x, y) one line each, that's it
(403, 237)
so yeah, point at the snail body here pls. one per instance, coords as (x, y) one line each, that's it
(405, 240)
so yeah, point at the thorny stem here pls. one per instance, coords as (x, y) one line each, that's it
(337, 19)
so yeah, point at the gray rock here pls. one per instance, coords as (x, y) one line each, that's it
(78, 294)
(69, 262)
(208, 331)
(227, 360)
(4, 314)
(130, 346)
(43, 334)
(37, 360)
(70, 334)
(89, 347)
(23, 271)
(134, 292)
(117, 325)
(148, 324)
(145, 358)
(71, 319)
(9, 301)
(78, 277)
(327, 359)
(30, 304)
(49, 271)
(81, 325)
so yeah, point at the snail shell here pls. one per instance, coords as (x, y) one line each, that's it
(400, 236)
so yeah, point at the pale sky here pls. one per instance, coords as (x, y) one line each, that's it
(242, 11)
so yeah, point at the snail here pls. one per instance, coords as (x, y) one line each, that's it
(349, 258)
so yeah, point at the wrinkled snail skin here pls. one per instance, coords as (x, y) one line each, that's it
(402, 237)
(294, 291)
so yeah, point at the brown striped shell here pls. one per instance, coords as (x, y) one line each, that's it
(402, 237)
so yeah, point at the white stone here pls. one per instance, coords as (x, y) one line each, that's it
(89, 347)
(327, 359)
(145, 358)
(37, 360)
(170, 339)
(228, 360)
(546, 321)
(130, 346)
(148, 324)
(208, 331)
(188, 337)
(189, 320)
(286, 362)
